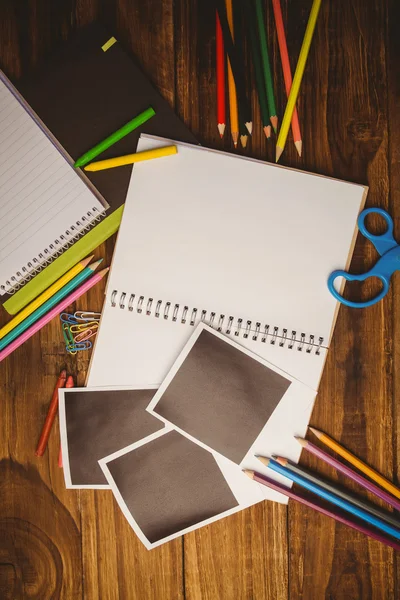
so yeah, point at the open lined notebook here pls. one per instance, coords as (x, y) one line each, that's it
(241, 245)
(45, 204)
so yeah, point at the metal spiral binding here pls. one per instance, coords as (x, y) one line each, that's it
(55, 249)
(228, 325)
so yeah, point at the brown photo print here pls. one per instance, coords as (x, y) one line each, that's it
(167, 485)
(221, 396)
(95, 423)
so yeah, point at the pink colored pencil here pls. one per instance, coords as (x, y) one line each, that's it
(274, 485)
(53, 313)
(371, 487)
(287, 73)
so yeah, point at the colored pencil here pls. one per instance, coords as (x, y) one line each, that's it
(255, 53)
(69, 384)
(287, 72)
(235, 64)
(237, 38)
(51, 414)
(274, 485)
(220, 68)
(371, 487)
(48, 305)
(356, 462)
(333, 498)
(233, 107)
(89, 283)
(28, 310)
(269, 86)
(298, 76)
(130, 159)
(115, 137)
(338, 491)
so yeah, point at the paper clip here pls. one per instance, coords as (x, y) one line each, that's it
(83, 326)
(69, 340)
(85, 335)
(87, 316)
(68, 318)
(86, 345)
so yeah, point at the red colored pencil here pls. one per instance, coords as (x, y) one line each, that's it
(220, 60)
(51, 413)
(274, 485)
(287, 73)
(69, 384)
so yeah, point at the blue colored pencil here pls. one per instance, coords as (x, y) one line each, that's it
(48, 305)
(343, 504)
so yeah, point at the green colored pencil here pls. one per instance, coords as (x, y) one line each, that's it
(49, 304)
(266, 65)
(255, 52)
(115, 137)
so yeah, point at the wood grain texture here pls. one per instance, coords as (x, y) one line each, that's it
(64, 544)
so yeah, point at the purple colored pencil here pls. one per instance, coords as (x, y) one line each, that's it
(371, 487)
(274, 485)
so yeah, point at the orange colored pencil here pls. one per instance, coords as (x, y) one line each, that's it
(51, 413)
(287, 73)
(233, 106)
(356, 462)
(69, 384)
(220, 63)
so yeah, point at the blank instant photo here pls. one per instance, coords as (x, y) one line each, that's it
(97, 422)
(168, 485)
(223, 396)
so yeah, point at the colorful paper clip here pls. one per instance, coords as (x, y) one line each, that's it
(68, 318)
(83, 326)
(85, 335)
(87, 315)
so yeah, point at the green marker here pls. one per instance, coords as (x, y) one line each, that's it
(115, 137)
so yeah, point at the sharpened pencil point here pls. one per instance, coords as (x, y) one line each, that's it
(282, 461)
(316, 432)
(249, 473)
(86, 261)
(221, 129)
(301, 441)
(274, 121)
(249, 127)
(243, 140)
(267, 131)
(263, 459)
(94, 265)
(299, 147)
(103, 272)
(278, 153)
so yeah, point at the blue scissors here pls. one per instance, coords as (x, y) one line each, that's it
(389, 262)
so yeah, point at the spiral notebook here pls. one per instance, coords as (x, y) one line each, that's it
(241, 245)
(45, 204)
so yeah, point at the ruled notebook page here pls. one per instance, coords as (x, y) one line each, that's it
(44, 203)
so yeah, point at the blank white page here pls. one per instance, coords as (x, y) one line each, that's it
(229, 235)
(44, 203)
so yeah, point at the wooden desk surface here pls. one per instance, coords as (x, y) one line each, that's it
(69, 544)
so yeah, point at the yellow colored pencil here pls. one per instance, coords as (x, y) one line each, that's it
(46, 295)
(356, 462)
(233, 106)
(298, 76)
(130, 159)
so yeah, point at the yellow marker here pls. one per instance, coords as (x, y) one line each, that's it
(130, 159)
(44, 296)
(108, 44)
(298, 76)
(356, 462)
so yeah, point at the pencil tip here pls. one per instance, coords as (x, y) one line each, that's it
(243, 139)
(274, 121)
(279, 151)
(267, 131)
(299, 146)
(282, 461)
(315, 431)
(86, 261)
(249, 127)
(94, 265)
(221, 129)
(103, 272)
(249, 473)
(263, 459)
(301, 440)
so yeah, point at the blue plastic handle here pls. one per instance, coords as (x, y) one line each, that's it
(363, 277)
(383, 242)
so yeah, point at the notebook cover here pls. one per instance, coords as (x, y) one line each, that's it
(83, 94)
